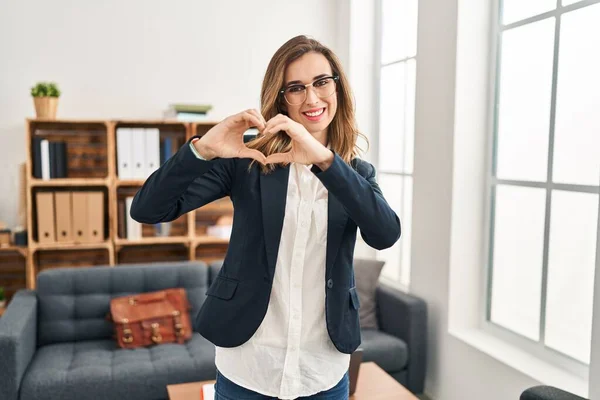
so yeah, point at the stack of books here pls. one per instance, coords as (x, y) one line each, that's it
(188, 112)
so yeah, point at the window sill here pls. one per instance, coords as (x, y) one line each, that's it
(516, 358)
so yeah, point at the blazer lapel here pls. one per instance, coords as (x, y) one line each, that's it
(273, 191)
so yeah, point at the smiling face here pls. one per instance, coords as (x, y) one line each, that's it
(315, 113)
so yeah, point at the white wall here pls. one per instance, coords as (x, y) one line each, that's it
(594, 389)
(130, 59)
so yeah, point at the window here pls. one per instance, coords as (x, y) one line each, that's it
(545, 177)
(395, 146)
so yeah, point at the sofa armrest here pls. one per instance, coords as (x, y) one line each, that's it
(18, 341)
(405, 317)
(548, 393)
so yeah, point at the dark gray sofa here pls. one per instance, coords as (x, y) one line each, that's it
(544, 392)
(55, 342)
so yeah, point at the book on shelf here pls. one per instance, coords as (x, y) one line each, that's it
(186, 116)
(133, 228)
(121, 219)
(188, 112)
(138, 152)
(250, 135)
(207, 391)
(70, 216)
(49, 158)
(191, 108)
(166, 150)
(219, 231)
(130, 229)
(162, 229)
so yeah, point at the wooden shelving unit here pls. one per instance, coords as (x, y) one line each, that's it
(13, 263)
(92, 165)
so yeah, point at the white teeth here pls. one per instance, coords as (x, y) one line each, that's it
(316, 113)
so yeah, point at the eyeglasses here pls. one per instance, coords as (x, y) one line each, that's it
(296, 94)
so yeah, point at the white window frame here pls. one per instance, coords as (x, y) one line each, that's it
(378, 66)
(535, 348)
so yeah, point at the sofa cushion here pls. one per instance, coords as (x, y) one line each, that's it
(73, 302)
(387, 351)
(73, 370)
(213, 270)
(366, 274)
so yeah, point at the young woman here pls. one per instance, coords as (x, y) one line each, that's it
(283, 311)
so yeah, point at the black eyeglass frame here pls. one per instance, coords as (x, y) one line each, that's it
(335, 78)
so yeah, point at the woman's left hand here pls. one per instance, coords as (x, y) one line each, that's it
(305, 148)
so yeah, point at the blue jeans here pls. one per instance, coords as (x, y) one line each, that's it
(227, 390)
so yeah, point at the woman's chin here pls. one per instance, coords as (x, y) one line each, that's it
(315, 129)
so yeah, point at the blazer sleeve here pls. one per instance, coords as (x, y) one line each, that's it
(182, 184)
(363, 200)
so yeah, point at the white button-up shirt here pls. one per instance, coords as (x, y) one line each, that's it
(291, 354)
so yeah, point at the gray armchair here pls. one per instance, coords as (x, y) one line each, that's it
(403, 320)
(548, 393)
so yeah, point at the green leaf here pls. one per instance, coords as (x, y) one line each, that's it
(43, 89)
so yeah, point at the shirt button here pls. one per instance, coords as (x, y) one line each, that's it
(330, 283)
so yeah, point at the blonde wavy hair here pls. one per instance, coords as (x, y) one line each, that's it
(342, 131)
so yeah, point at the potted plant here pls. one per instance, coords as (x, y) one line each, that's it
(45, 98)
(2, 300)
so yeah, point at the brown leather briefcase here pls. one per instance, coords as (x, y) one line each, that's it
(147, 319)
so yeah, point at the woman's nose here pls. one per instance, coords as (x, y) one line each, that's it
(311, 95)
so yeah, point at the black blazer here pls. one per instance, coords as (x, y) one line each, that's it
(237, 300)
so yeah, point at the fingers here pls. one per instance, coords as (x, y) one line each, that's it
(255, 154)
(278, 119)
(260, 125)
(249, 119)
(276, 127)
(279, 158)
(255, 119)
(252, 120)
(260, 118)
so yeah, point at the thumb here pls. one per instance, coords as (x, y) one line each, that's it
(255, 154)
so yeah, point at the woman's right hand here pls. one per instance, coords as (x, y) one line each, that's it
(226, 139)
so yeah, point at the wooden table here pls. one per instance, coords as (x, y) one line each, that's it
(373, 384)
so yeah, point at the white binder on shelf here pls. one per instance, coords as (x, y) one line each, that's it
(134, 228)
(152, 136)
(124, 161)
(138, 147)
(45, 145)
